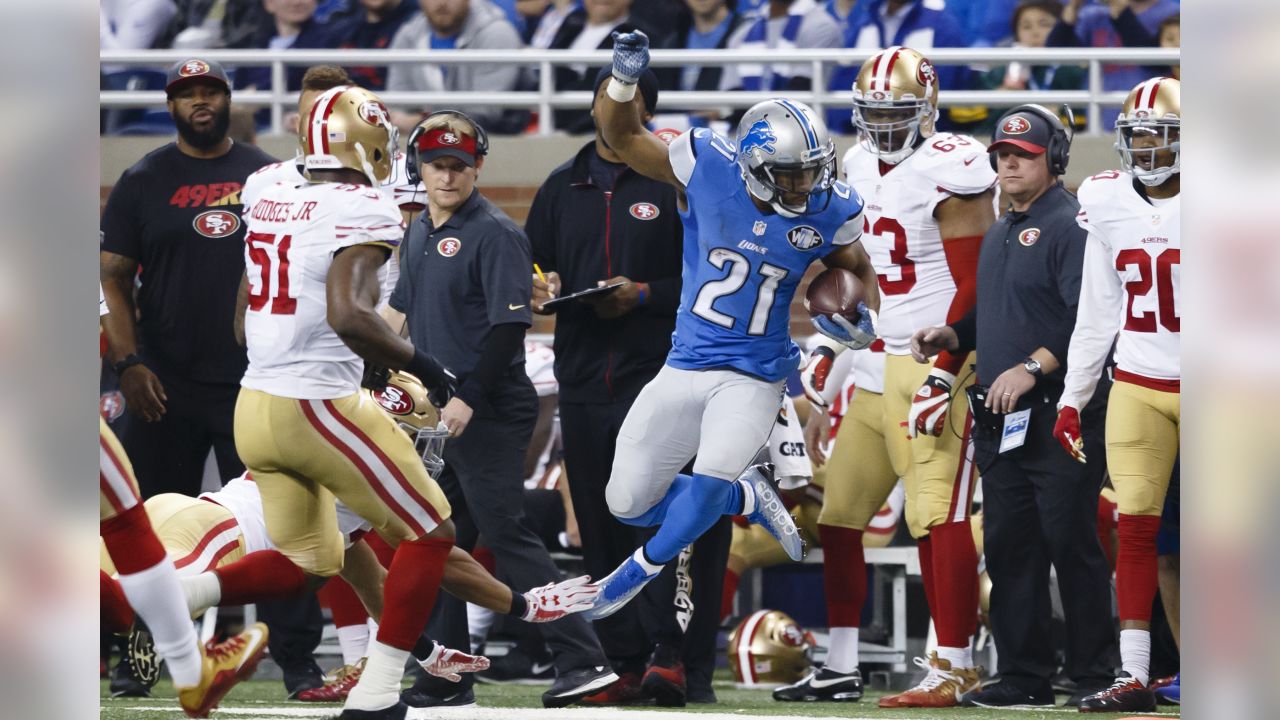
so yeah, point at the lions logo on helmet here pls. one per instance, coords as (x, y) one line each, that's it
(769, 649)
(759, 136)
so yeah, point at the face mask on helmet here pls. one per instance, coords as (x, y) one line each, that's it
(1150, 150)
(429, 444)
(786, 157)
(890, 129)
(794, 190)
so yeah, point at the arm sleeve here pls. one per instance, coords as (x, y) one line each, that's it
(499, 348)
(966, 329)
(121, 233)
(962, 260)
(1097, 322)
(1070, 263)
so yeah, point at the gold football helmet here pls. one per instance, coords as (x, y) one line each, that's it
(768, 648)
(895, 102)
(349, 127)
(405, 400)
(1149, 130)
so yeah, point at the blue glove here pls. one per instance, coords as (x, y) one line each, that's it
(838, 328)
(630, 56)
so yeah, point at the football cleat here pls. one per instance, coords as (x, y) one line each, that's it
(141, 657)
(770, 512)
(942, 686)
(223, 666)
(1170, 692)
(823, 685)
(338, 688)
(664, 679)
(619, 588)
(574, 685)
(393, 712)
(627, 691)
(1126, 694)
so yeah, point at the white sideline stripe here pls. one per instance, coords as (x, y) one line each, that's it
(480, 713)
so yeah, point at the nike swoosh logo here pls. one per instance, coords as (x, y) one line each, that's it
(514, 307)
(969, 161)
(255, 639)
(539, 668)
(826, 683)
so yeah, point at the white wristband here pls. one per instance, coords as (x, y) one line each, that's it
(620, 91)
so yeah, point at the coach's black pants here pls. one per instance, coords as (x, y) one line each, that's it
(483, 480)
(1040, 507)
(664, 612)
(169, 455)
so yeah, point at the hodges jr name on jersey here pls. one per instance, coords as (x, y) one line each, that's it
(293, 232)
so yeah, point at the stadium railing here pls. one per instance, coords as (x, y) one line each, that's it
(546, 98)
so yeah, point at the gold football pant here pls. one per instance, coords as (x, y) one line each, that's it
(859, 475)
(117, 487)
(197, 534)
(304, 453)
(1143, 431)
(938, 471)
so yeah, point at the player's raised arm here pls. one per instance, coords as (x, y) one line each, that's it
(620, 112)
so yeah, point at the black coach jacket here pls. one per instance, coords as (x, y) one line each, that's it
(587, 233)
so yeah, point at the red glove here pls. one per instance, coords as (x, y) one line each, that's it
(813, 376)
(928, 413)
(1067, 430)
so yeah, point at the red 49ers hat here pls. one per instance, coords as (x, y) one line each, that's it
(441, 141)
(1025, 130)
(188, 71)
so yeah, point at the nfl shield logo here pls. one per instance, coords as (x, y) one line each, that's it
(758, 228)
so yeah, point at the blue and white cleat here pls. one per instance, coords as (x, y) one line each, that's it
(620, 587)
(769, 511)
(1171, 693)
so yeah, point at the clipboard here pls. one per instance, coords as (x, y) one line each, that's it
(599, 290)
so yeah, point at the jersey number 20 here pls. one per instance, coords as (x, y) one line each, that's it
(739, 268)
(267, 251)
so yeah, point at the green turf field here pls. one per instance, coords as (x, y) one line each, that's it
(265, 699)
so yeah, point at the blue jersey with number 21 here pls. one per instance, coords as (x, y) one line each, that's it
(741, 265)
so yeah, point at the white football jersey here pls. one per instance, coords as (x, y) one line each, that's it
(868, 368)
(1132, 271)
(293, 231)
(901, 235)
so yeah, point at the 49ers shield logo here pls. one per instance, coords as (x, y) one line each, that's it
(1029, 236)
(925, 74)
(449, 247)
(375, 113)
(644, 211)
(395, 401)
(216, 223)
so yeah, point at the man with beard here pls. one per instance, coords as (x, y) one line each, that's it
(176, 215)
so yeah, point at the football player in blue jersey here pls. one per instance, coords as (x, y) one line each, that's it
(757, 212)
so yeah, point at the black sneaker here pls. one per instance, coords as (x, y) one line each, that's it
(124, 684)
(823, 685)
(700, 694)
(1084, 689)
(1009, 695)
(301, 676)
(139, 666)
(395, 712)
(577, 684)
(414, 697)
(664, 679)
(516, 667)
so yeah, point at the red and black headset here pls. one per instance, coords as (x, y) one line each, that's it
(1059, 149)
(412, 171)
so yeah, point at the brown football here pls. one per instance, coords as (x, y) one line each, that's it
(835, 291)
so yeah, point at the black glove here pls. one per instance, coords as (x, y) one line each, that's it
(375, 377)
(440, 383)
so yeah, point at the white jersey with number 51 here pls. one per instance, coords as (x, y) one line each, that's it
(294, 230)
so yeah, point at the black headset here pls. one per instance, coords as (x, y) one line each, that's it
(412, 170)
(1059, 150)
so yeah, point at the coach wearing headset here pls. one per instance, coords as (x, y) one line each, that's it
(1038, 509)
(464, 288)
